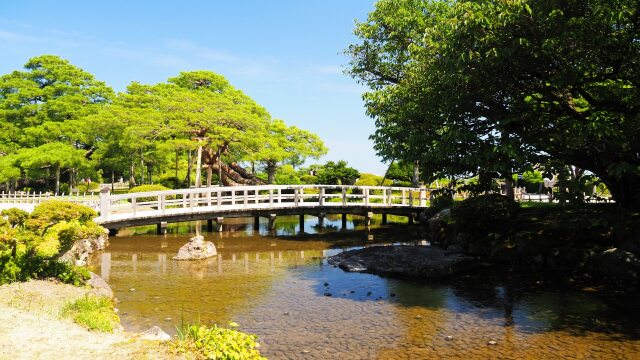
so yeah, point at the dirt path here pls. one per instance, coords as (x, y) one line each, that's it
(30, 328)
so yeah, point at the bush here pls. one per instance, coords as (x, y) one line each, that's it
(93, 312)
(147, 188)
(85, 188)
(15, 216)
(216, 343)
(484, 214)
(441, 200)
(372, 180)
(52, 212)
(24, 267)
(60, 237)
(309, 179)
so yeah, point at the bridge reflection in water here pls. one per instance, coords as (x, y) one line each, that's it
(230, 263)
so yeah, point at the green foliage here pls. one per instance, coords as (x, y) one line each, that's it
(52, 212)
(16, 217)
(93, 312)
(286, 175)
(26, 266)
(441, 200)
(372, 180)
(146, 188)
(309, 179)
(216, 343)
(468, 85)
(339, 173)
(483, 214)
(400, 171)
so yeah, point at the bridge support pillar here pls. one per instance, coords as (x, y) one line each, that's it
(217, 226)
(411, 218)
(272, 221)
(256, 224)
(384, 218)
(113, 232)
(367, 218)
(161, 228)
(321, 217)
(301, 222)
(344, 221)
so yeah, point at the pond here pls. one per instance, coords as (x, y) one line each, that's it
(280, 287)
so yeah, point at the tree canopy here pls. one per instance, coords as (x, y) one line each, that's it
(57, 121)
(494, 87)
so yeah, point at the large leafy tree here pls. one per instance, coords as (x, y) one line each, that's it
(497, 85)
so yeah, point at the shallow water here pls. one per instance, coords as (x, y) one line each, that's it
(278, 288)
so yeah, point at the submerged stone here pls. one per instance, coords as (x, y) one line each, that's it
(414, 261)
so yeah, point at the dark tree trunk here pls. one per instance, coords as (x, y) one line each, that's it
(57, 179)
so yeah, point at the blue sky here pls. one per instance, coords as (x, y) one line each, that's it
(287, 55)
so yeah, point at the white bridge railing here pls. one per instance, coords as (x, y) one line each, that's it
(173, 202)
(29, 200)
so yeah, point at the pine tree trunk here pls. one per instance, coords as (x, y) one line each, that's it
(199, 167)
(132, 175)
(415, 180)
(209, 175)
(189, 166)
(57, 179)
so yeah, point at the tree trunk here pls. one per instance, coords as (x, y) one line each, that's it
(271, 172)
(415, 180)
(57, 179)
(199, 167)
(508, 183)
(141, 168)
(113, 180)
(209, 175)
(219, 160)
(189, 166)
(132, 175)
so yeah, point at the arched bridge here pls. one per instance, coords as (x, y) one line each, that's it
(215, 203)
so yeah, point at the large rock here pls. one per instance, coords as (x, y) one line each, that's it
(100, 287)
(196, 249)
(427, 262)
(81, 249)
(617, 264)
(439, 220)
(155, 333)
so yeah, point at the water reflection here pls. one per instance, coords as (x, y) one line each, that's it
(283, 290)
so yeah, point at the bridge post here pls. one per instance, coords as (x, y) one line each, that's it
(411, 217)
(344, 221)
(105, 203)
(161, 228)
(423, 197)
(384, 218)
(367, 218)
(344, 195)
(256, 224)
(301, 221)
(295, 196)
(321, 217)
(366, 197)
(321, 197)
(272, 221)
(219, 220)
(209, 225)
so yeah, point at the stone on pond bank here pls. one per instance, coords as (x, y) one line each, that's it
(428, 262)
(196, 249)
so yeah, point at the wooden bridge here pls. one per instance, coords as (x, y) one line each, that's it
(215, 203)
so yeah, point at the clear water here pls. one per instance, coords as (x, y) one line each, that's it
(278, 288)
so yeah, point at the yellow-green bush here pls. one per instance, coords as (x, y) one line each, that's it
(93, 312)
(216, 343)
(146, 188)
(52, 212)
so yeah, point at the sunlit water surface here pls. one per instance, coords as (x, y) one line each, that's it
(278, 288)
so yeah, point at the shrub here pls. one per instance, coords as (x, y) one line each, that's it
(309, 179)
(484, 213)
(25, 266)
(52, 212)
(93, 312)
(371, 180)
(441, 200)
(216, 343)
(60, 237)
(15, 216)
(85, 188)
(147, 188)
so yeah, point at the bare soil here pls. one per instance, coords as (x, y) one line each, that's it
(31, 328)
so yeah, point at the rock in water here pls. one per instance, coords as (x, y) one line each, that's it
(100, 287)
(196, 249)
(414, 261)
(155, 333)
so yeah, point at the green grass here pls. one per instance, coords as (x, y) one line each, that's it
(216, 343)
(93, 312)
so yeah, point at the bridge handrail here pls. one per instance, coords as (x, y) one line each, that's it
(262, 197)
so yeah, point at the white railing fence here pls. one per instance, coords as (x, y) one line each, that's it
(28, 200)
(256, 197)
